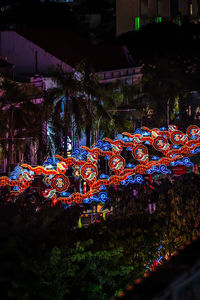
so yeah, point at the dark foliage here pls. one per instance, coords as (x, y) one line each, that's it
(44, 255)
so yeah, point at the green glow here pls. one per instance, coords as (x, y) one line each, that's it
(137, 23)
(158, 19)
(179, 21)
(104, 215)
(80, 223)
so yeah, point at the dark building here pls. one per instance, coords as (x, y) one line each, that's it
(131, 14)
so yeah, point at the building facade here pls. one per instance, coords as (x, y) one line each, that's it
(131, 14)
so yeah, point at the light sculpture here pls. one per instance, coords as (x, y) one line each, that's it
(108, 162)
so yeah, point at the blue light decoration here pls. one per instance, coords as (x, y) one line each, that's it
(184, 162)
(142, 132)
(106, 157)
(126, 139)
(102, 198)
(163, 128)
(195, 151)
(51, 161)
(103, 145)
(19, 173)
(14, 175)
(104, 176)
(65, 194)
(145, 133)
(155, 158)
(120, 137)
(80, 154)
(160, 258)
(53, 168)
(130, 166)
(151, 265)
(64, 205)
(139, 131)
(159, 169)
(176, 147)
(102, 187)
(16, 188)
(138, 179)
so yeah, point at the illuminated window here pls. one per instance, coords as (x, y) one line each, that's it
(137, 23)
(158, 19)
(191, 9)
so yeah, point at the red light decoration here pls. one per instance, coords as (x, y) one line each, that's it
(177, 137)
(106, 156)
(193, 132)
(140, 152)
(89, 172)
(117, 163)
(60, 183)
(161, 144)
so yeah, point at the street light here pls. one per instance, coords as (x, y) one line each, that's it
(111, 110)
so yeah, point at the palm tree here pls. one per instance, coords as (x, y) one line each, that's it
(82, 102)
(125, 108)
(65, 109)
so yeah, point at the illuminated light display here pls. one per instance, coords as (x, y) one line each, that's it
(76, 173)
(193, 132)
(47, 180)
(160, 143)
(102, 198)
(60, 183)
(89, 172)
(121, 161)
(177, 137)
(140, 153)
(116, 163)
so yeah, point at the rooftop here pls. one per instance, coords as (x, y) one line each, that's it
(72, 49)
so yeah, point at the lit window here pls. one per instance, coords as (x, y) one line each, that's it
(191, 9)
(158, 19)
(137, 23)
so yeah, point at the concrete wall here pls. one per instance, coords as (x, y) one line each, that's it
(183, 7)
(194, 8)
(165, 8)
(22, 54)
(152, 5)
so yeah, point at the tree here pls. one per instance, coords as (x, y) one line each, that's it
(163, 82)
(19, 122)
(82, 97)
(45, 256)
